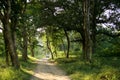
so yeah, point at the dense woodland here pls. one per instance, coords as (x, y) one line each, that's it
(87, 30)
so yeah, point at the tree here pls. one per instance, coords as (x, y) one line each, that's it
(68, 44)
(5, 17)
(86, 28)
(48, 40)
(81, 16)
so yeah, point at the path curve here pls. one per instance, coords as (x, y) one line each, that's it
(48, 71)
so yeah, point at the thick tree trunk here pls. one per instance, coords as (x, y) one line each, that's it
(68, 43)
(13, 32)
(14, 36)
(8, 55)
(84, 49)
(25, 45)
(6, 49)
(10, 46)
(86, 28)
(7, 58)
(9, 43)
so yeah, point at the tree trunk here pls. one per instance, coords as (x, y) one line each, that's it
(84, 49)
(86, 28)
(25, 44)
(32, 51)
(55, 51)
(50, 50)
(10, 46)
(9, 43)
(68, 42)
(13, 31)
(48, 46)
(6, 49)
(63, 47)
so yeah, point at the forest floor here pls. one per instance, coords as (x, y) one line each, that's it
(47, 70)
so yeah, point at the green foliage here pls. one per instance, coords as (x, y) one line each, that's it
(39, 52)
(10, 73)
(107, 46)
(102, 68)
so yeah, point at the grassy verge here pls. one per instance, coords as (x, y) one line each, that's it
(103, 68)
(24, 73)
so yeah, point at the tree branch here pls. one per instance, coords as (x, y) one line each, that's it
(1, 28)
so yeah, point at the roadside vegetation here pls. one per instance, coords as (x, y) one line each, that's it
(24, 73)
(103, 68)
(105, 63)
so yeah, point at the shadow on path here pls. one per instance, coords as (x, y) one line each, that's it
(48, 71)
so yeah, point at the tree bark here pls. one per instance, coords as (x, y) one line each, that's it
(32, 51)
(86, 28)
(25, 44)
(9, 43)
(10, 46)
(6, 49)
(32, 45)
(55, 51)
(84, 48)
(48, 46)
(68, 43)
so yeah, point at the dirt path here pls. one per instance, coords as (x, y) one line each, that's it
(48, 71)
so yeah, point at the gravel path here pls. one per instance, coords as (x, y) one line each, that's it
(48, 71)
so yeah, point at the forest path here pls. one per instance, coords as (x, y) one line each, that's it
(48, 71)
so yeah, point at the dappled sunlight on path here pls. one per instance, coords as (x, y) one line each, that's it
(48, 71)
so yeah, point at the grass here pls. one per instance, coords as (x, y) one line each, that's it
(29, 65)
(103, 68)
(24, 73)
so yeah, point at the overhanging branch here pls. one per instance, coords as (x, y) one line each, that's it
(1, 28)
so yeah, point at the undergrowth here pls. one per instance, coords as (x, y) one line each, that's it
(102, 68)
(24, 73)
